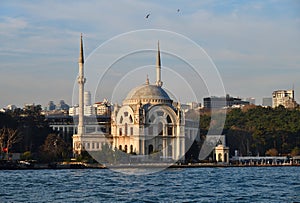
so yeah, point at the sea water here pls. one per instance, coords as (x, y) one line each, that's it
(228, 184)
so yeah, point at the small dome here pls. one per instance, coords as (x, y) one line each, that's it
(147, 94)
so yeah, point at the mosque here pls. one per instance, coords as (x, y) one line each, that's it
(147, 123)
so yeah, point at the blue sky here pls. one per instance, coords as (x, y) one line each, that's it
(254, 44)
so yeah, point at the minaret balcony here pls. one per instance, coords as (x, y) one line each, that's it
(81, 80)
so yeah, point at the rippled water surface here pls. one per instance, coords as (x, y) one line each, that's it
(261, 184)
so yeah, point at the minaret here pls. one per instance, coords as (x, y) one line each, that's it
(158, 68)
(147, 80)
(81, 81)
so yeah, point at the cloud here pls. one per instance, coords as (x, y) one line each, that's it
(11, 26)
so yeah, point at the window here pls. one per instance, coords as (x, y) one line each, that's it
(120, 131)
(130, 119)
(103, 129)
(126, 129)
(219, 157)
(131, 130)
(125, 149)
(131, 149)
(121, 119)
(160, 113)
(225, 157)
(150, 149)
(120, 147)
(170, 130)
(169, 119)
(125, 113)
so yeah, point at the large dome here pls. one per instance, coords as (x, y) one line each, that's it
(147, 94)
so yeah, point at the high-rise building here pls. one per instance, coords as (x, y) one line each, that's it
(51, 106)
(223, 102)
(87, 98)
(62, 105)
(284, 98)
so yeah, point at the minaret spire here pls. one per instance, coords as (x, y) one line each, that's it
(81, 81)
(81, 57)
(158, 67)
(147, 80)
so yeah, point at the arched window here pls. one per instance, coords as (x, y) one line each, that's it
(130, 119)
(121, 119)
(126, 129)
(120, 131)
(120, 147)
(150, 149)
(160, 113)
(219, 157)
(169, 119)
(131, 149)
(125, 149)
(225, 157)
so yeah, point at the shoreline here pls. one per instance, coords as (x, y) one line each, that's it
(81, 165)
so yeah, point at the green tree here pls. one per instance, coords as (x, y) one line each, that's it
(295, 151)
(26, 155)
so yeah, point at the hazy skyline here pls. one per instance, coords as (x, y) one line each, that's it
(254, 44)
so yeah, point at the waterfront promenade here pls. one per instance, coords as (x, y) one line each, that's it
(262, 162)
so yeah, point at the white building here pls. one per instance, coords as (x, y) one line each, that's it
(284, 98)
(148, 122)
(103, 108)
(221, 151)
(88, 110)
(87, 98)
(11, 107)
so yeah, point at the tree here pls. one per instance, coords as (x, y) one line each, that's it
(295, 151)
(26, 155)
(54, 148)
(9, 137)
(272, 152)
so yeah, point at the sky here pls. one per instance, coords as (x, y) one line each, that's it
(254, 46)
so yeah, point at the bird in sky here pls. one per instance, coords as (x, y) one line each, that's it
(147, 16)
(178, 10)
